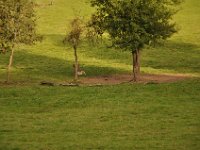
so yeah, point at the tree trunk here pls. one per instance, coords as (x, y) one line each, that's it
(76, 64)
(136, 64)
(134, 67)
(10, 65)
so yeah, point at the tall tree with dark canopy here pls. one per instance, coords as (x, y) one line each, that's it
(132, 24)
(17, 25)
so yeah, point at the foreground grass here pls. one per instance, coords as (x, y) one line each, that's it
(153, 116)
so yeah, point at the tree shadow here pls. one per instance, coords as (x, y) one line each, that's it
(30, 67)
(179, 57)
(180, 46)
(173, 55)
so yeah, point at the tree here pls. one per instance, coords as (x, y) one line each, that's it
(17, 25)
(95, 25)
(132, 24)
(74, 38)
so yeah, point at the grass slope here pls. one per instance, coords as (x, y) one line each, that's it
(51, 60)
(152, 116)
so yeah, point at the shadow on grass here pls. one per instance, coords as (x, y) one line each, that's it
(177, 56)
(33, 68)
(180, 46)
(172, 55)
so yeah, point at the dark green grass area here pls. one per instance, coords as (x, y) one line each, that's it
(138, 116)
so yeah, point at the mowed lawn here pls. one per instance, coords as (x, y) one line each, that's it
(163, 116)
(129, 116)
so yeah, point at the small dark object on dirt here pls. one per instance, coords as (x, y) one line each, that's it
(47, 83)
(151, 82)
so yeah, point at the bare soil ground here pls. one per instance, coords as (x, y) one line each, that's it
(110, 80)
(144, 78)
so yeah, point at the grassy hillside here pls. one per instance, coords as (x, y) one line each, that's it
(51, 60)
(129, 116)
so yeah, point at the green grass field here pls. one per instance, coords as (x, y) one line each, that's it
(130, 116)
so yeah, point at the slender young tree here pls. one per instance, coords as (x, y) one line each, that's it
(17, 25)
(74, 38)
(132, 24)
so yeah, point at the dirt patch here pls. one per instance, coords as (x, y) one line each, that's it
(108, 80)
(144, 78)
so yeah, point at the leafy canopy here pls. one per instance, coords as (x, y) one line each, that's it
(17, 23)
(74, 36)
(133, 23)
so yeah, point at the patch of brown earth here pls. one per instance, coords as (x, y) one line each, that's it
(108, 80)
(144, 78)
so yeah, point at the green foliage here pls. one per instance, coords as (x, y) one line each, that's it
(133, 23)
(80, 30)
(76, 31)
(96, 24)
(17, 23)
